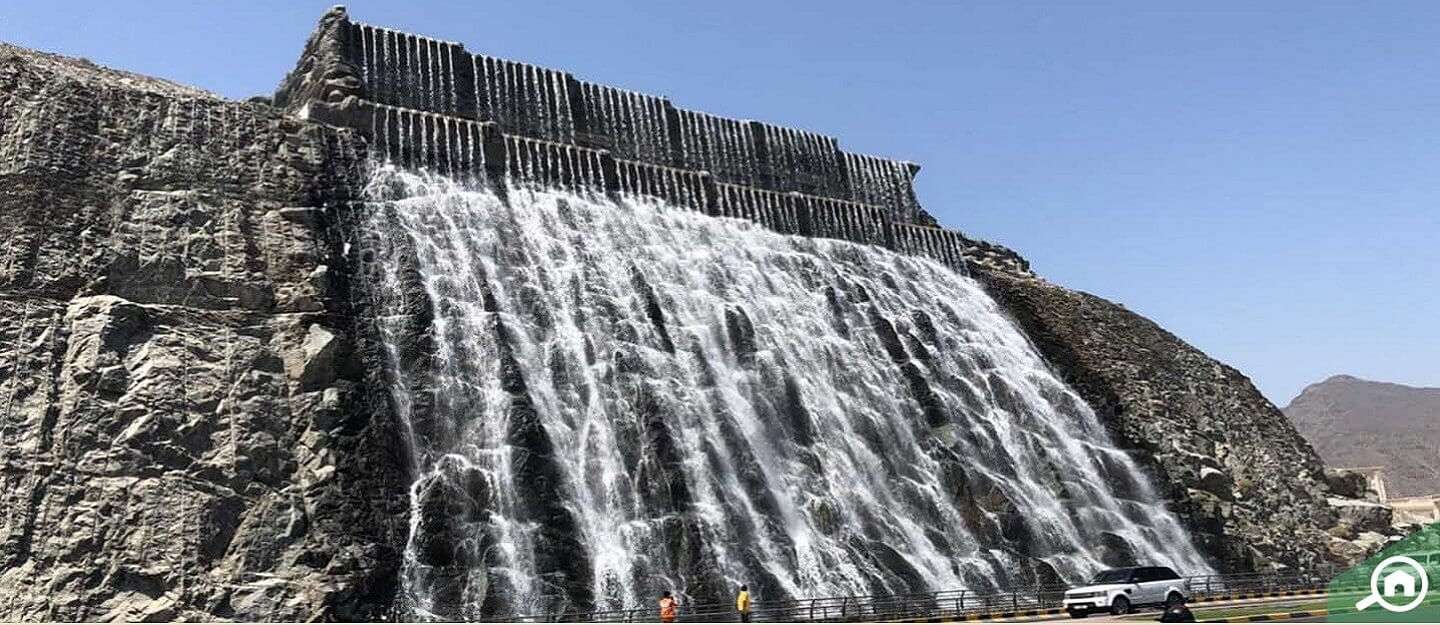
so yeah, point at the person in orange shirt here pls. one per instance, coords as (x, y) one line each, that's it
(667, 608)
(742, 603)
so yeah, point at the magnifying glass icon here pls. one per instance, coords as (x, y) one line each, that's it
(1414, 583)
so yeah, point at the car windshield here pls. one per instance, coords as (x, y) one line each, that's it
(1115, 576)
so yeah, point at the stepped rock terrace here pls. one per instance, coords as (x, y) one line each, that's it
(431, 104)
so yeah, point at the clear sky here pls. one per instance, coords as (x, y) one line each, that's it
(1261, 178)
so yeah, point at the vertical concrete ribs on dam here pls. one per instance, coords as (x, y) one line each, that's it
(427, 103)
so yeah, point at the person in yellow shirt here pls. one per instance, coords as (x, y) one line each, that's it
(742, 603)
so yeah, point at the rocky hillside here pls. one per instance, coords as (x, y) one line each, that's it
(1359, 423)
(1250, 488)
(184, 432)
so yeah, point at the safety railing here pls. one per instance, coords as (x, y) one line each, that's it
(929, 605)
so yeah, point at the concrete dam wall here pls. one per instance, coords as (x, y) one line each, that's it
(426, 103)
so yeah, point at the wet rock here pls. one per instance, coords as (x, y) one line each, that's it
(1115, 551)
(889, 337)
(802, 428)
(741, 333)
(915, 375)
(561, 559)
(653, 310)
(895, 565)
(452, 501)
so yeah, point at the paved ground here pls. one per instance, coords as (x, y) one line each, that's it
(1262, 606)
(1313, 605)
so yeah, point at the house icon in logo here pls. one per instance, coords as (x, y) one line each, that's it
(1399, 584)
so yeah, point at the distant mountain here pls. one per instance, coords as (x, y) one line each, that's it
(1357, 423)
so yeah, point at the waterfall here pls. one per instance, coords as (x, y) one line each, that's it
(605, 398)
(634, 123)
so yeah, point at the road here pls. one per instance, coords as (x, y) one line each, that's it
(1269, 604)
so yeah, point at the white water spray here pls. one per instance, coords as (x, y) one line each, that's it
(718, 404)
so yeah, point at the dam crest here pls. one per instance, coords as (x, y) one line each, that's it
(425, 103)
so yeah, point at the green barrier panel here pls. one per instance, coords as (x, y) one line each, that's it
(1397, 585)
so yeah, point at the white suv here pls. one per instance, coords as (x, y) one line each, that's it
(1122, 590)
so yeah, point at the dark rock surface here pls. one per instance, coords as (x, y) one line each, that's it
(186, 434)
(1250, 488)
(1350, 484)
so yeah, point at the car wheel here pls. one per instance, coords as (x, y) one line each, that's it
(1174, 599)
(1078, 613)
(1121, 605)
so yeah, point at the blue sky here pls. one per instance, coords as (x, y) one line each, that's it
(1259, 178)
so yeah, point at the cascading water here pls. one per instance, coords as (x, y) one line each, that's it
(609, 398)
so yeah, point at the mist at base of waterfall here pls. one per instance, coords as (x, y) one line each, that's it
(606, 399)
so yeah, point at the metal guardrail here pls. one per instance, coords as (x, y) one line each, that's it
(929, 605)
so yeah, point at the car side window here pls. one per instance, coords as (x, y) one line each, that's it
(1142, 575)
(1166, 573)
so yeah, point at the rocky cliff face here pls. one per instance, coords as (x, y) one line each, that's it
(186, 428)
(1249, 486)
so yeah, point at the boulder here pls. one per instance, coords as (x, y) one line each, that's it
(1348, 484)
(1115, 551)
(1351, 552)
(316, 367)
(1362, 515)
